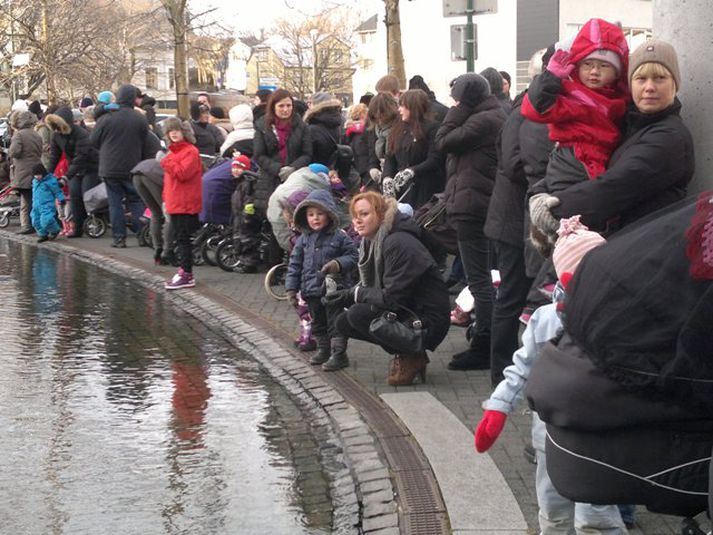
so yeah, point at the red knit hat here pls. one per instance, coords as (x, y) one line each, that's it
(575, 240)
(240, 161)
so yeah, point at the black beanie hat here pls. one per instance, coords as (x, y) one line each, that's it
(39, 169)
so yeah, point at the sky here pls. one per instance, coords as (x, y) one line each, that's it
(251, 15)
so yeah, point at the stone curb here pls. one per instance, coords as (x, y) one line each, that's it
(361, 489)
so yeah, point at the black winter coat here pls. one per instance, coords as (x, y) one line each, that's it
(411, 278)
(650, 169)
(469, 137)
(438, 111)
(73, 141)
(208, 138)
(119, 137)
(267, 154)
(506, 211)
(421, 156)
(325, 128)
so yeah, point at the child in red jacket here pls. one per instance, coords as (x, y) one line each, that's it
(183, 173)
(582, 96)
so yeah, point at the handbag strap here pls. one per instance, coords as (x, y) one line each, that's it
(415, 320)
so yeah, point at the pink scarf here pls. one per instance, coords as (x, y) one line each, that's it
(283, 128)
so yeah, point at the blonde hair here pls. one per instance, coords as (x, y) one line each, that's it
(375, 199)
(653, 69)
(358, 111)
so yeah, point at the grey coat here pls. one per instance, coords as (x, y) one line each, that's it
(25, 149)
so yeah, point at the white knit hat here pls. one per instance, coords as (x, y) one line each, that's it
(575, 240)
(606, 55)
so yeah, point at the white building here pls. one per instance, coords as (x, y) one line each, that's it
(505, 38)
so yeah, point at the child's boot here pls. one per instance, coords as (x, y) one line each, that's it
(71, 228)
(338, 359)
(323, 351)
(306, 341)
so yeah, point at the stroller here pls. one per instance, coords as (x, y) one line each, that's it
(96, 203)
(9, 205)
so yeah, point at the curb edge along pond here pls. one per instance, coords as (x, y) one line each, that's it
(355, 466)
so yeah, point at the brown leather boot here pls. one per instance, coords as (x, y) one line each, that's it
(406, 367)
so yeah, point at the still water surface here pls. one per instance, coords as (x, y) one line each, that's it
(122, 415)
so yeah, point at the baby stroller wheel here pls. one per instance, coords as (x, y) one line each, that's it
(144, 237)
(227, 255)
(4, 219)
(209, 247)
(275, 282)
(94, 226)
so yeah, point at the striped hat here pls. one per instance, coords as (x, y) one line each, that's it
(575, 240)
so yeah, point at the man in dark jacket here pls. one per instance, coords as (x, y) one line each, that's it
(495, 80)
(469, 136)
(73, 141)
(208, 137)
(324, 121)
(146, 103)
(120, 136)
(260, 102)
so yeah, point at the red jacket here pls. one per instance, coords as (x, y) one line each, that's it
(585, 119)
(182, 179)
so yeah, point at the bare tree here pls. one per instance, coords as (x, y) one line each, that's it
(176, 13)
(316, 52)
(394, 51)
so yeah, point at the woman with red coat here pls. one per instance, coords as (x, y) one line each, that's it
(183, 173)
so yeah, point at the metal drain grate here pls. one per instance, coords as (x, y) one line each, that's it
(404, 453)
(419, 492)
(425, 524)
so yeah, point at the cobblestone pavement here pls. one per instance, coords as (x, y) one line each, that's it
(461, 392)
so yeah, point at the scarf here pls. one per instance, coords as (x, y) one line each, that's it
(371, 260)
(282, 132)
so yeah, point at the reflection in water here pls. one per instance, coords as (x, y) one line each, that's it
(123, 415)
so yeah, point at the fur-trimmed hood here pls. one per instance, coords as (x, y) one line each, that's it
(323, 200)
(321, 107)
(21, 120)
(61, 120)
(174, 123)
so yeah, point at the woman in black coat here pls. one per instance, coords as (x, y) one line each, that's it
(652, 167)
(73, 141)
(324, 122)
(281, 145)
(468, 135)
(396, 269)
(411, 154)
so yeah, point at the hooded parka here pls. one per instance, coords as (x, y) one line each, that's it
(73, 141)
(25, 148)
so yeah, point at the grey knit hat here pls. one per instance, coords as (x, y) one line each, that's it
(320, 97)
(656, 51)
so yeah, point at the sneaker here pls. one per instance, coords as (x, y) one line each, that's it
(119, 243)
(29, 230)
(181, 279)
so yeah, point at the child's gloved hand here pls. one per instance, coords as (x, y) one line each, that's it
(375, 175)
(561, 64)
(160, 155)
(489, 430)
(540, 213)
(331, 267)
(292, 298)
(249, 209)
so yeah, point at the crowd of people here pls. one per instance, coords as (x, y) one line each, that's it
(539, 188)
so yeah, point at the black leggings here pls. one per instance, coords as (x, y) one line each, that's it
(184, 225)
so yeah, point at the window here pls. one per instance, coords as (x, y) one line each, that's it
(171, 78)
(458, 44)
(363, 38)
(262, 54)
(151, 77)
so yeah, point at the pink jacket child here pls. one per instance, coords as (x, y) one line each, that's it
(581, 98)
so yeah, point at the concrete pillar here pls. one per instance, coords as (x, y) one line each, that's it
(688, 26)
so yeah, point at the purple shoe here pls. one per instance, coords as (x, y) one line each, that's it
(182, 279)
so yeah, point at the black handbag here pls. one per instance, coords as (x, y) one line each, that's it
(403, 335)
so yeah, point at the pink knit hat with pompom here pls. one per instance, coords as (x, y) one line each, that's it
(575, 240)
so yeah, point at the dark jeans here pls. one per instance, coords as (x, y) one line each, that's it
(324, 318)
(78, 186)
(474, 250)
(118, 189)
(510, 299)
(184, 225)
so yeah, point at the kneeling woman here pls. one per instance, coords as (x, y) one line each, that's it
(396, 269)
